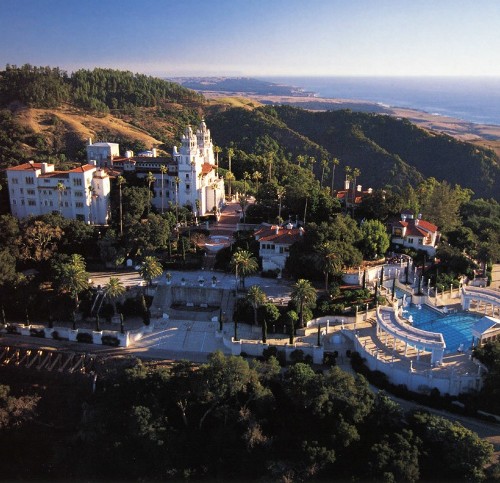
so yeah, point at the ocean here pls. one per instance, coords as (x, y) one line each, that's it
(472, 99)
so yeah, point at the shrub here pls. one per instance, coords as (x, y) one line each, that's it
(12, 329)
(270, 273)
(329, 359)
(132, 306)
(84, 337)
(271, 351)
(37, 333)
(107, 311)
(281, 356)
(110, 340)
(297, 356)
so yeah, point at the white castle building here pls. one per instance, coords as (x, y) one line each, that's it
(81, 193)
(189, 177)
(196, 172)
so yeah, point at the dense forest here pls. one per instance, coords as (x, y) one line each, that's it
(388, 151)
(228, 419)
(98, 90)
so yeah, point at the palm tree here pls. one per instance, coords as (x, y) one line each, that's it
(355, 173)
(312, 161)
(324, 165)
(303, 294)
(230, 177)
(291, 319)
(327, 260)
(348, 177)
(73, 278)
(335, 163)
(114, 289)
(197, 206)
(256, 297)
(121, 181)
(269, 164)
(348, 172)
(280, 192)
(301, 158)
(243, 263)
(177, 182)
(150, 268)
(215, 208)
(60, 188)
(246, 177)
(257, 176)
(150, 179)
(163, 171)
(217, 150)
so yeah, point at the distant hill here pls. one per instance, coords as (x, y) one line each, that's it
(247, 85)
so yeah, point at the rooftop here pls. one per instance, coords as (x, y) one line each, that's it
(278, 234)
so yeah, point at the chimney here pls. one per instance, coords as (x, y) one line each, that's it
(90, 142)
(44, 168)
(358, 188)
(277, 229)
(347, 183)
(301, 231)
(155, 152)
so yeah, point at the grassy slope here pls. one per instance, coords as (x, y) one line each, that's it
(379, 155)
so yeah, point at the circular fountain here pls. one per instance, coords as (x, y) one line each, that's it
(216, 242)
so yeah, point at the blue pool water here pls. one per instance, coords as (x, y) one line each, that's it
(456, 328)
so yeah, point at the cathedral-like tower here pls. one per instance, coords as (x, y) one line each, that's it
(196, 171)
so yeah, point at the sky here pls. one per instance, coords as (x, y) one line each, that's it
(170, 38)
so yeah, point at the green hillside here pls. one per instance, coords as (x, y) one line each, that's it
(47, 114)
(348, 134)
(388, 151)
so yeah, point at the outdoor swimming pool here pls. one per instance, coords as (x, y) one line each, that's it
(456, 328)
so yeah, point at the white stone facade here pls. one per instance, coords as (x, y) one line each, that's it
(274, 245)
(102, 153)
(81, 193)
(196, 173)
(415, 233)
(190, 178)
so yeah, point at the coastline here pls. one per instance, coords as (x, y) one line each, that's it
(484, 135)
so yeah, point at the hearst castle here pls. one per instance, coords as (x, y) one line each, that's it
(188, 178)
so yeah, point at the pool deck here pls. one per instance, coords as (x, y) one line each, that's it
(452, 364)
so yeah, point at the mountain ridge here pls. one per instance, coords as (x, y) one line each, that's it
(118, 106)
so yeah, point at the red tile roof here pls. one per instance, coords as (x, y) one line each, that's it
(26, 166)
(206, 168)
(421, 226)
(82, 169)
(426, 225)
(285, 236)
